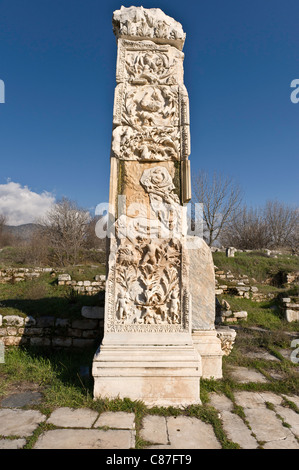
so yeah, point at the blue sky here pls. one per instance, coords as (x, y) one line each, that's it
(57, 60)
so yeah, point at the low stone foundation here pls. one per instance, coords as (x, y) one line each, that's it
(53, 332)
(83, 287)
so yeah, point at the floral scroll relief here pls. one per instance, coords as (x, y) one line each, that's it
(150, 106)
(158, 183)
(146, 144)
(142, 22)
(150, 68)
(148, 282)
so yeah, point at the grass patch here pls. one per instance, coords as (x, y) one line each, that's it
(266, 314)
(57, 374)
(43, 297)
(255, 264)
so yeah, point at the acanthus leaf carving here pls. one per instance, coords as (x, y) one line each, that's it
(147, 144)
(139, 106)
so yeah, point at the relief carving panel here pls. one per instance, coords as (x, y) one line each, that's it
(147, 63)
(154, 106)
(146, 144)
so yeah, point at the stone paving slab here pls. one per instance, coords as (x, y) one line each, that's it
(290, 417)
(12, 443)
(271, 398)
(116, 419)
(86, 439)
(179, 432)
(249, 399)
(237, 431)
(18, 400)
(220, 402)
(288, 443)
(73, 418)
(154, 429)
(22, 423)
(262, 355)
(265, 425)
(234, 427)
(293, 398)
(191, 433)
(245, 375)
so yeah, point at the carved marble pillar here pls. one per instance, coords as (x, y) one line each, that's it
(147, 351)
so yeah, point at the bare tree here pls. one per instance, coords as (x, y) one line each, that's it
(3, 221)
(248, 230)
(282, 221)
(220, 197)
(65, 227)
(6, 238)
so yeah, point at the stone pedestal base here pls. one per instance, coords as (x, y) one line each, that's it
(157, 374)
(208, 346)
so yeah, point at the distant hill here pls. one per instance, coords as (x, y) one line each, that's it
(22, 232)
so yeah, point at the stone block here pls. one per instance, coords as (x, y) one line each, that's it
(201, 284)
(208, 346)
(12, 331)
(44, 322)
(13, 340)
(92, 334)
(40, 341)
(230, 252)
(33, 331)
(82, 343)
(30, 321)
(291, 315)
(13, 320)
(93, 312)
(64, 277)
(61, 341)
(75, 332)
(62, 322)
(241, 314)
(88, 324)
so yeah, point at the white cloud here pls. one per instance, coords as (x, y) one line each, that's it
(21, 205)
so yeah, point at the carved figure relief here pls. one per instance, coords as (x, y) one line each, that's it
(148, 282)
(137, 21)
(150, 68)
(150, 106)
(147, 63)
(146, 144)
